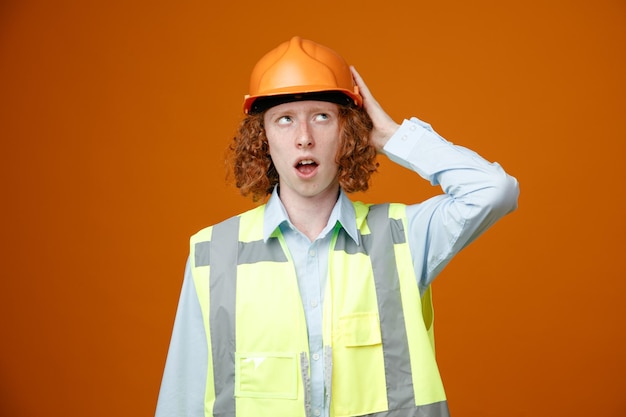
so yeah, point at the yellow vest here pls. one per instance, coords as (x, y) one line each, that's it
(378, 341)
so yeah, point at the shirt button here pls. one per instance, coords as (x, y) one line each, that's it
(317, 412)
(316, 356)
(312, 252)
(313, 303)
(413, 127)
(404, 137)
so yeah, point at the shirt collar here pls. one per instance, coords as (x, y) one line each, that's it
(343, 212)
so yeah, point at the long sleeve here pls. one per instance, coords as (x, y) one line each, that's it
(184, 378)
(476, 194)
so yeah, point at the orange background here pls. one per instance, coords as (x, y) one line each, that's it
(115, 116)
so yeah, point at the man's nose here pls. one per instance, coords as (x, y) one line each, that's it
(305, 138)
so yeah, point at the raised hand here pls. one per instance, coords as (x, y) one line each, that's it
(384, 125)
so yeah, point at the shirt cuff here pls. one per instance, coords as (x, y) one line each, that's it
(412, 145)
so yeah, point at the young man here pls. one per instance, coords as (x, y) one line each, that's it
(312, 305)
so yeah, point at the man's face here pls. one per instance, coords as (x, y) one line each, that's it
(303, 139)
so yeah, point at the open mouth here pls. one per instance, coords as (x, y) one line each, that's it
(306, 166)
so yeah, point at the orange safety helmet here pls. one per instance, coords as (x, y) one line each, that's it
(300, 69)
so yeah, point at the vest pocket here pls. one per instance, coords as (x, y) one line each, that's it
(266, 375)
(360, 329)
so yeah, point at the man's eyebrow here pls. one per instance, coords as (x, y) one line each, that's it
(323, 108)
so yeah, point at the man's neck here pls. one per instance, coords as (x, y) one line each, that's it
(310, 215)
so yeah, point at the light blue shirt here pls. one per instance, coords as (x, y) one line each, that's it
(476, 194)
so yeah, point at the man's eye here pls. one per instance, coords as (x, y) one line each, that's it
(323, 116)
(284, 119)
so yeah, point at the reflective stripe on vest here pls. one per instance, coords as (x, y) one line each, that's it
(383, 361)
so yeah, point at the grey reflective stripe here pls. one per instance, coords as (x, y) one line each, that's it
(439, 409)
(223, 284)
(306, 382)
(259, 251)
(345, 244)
(202, 253)
(328, 375)
(379, 246)
(397, 231)
(249, 252)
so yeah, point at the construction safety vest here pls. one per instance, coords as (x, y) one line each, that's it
(377, 330)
